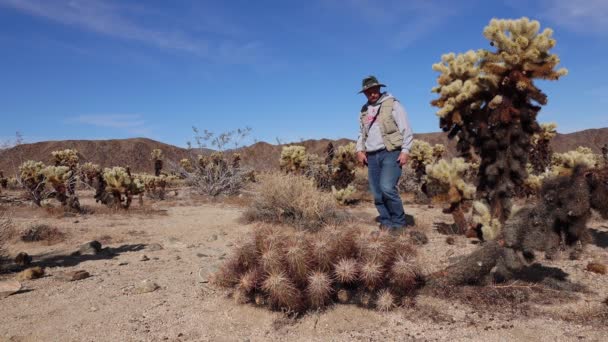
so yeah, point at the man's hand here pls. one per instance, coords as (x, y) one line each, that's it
(362, 158)
(403, 157)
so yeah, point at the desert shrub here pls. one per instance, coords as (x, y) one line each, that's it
(155, 187)
(293, 200)
(6, 231)
(295, 271)
(219, 172)
(488, 99)
(41, 232)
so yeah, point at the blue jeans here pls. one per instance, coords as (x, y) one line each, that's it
(383, 173)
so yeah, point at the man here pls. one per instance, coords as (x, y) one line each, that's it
(384, 144)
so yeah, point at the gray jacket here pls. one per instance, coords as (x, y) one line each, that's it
(374, 140)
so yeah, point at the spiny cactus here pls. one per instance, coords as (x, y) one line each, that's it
(488, 99)
(344, 164)
(293, 159)
(540, 152)
(564, 163)
(62, 178)
(119, 182)
(32, 179)
(452, 176)
(186, 164)
(3, 181)
(67, 157)
(157, 156)
(88, 171)
(421, 155)
(490, 227)
(344, 196)
(296, 271)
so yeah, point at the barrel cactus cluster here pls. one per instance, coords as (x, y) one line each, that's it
(296, 271)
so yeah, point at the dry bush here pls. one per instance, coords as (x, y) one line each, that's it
(293, 200)
(294, 270)
(6, 231)
(42, 232)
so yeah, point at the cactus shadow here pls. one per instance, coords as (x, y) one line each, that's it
(75, 259)
(599, 238)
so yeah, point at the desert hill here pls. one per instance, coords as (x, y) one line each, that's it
(135, 152)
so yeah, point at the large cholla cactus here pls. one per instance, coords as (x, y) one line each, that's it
(157, 156)
(296, 271)
(32, 179)
(119, 182)
(293, 159)
(451, 177)
(3, 181)
(488, 99)
(67, 157)
(423, 154)
(155, 186)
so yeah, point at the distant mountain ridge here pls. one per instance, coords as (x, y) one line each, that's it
(261, 156)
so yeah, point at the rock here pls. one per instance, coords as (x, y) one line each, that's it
(8, 287)
(229, 244)
(418, 237)
(124, 263)
(90, 248)
(154, 247)
(450, 240)
(73, 275)
(144, 258)
(23, 259)
(212, 238)
(31, 273)
(145, 287)
(76, 221)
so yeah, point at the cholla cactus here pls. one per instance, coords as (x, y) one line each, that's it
(490, 227)
(88, 171)
(451, 176)
(186, 164)
(344, 196)
(489, 100)
(344, 164)
(155, 186)
(62, 179)
(67, 157)
(605, 154)
(3, 181)
(119, 182)
(32, 179)
(157, 156)
(293, 159)
(540, 152)
(563, 163)
(423, 154)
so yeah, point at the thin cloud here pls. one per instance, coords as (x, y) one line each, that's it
(105, 18)
(110, 120)
(110, 19)
(590, 16)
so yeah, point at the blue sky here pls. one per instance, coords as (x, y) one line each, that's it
(97, 69)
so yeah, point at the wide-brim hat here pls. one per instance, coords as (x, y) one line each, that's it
(370, 82)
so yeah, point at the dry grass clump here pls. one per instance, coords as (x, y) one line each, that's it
(293, 200)
(42, 232)
(6, 231)
(294, 271)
